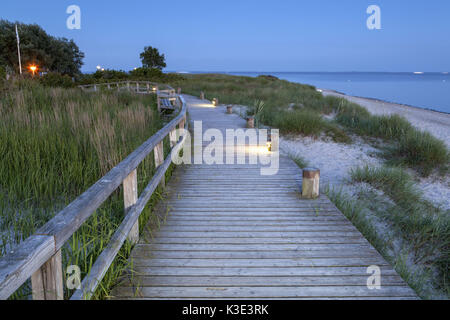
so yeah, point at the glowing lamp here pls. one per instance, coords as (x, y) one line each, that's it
(33, 69)
(269, 140)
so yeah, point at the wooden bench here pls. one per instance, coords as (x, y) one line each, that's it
(165, 106)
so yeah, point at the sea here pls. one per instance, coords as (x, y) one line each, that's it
(427, 90)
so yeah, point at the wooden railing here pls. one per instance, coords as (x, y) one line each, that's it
(132, 86)
(39, 256)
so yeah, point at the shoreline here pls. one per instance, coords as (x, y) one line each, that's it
(382, 101)
(435, 122)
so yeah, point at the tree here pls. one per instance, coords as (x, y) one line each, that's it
(37, 47)
(151, 58)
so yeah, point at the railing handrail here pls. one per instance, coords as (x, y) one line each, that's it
(144, 82)
(38, 249)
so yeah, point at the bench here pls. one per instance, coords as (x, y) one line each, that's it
(165, 106)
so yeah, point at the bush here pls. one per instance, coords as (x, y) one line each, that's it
(420, 150)
(303, 122)
(56, 80)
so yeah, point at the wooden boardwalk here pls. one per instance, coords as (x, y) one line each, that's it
(232, 233)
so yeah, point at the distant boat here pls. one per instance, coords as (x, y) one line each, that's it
(418, 72)
(444, 72)
(182, 72)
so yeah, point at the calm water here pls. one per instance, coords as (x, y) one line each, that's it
(428, 90)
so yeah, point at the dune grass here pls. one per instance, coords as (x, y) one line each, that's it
(300, 109)
(54, 144)
(422, 225)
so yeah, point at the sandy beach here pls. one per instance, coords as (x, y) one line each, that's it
(335, 160)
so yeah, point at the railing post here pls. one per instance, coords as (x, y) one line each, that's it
(118, 87)
(95, 87)
(182, 122)
(130, 197)
(158, 103)
(159, 159)
(109, 86)
(202, 95)
(137, 86)
(148, 87)
(173, 138)
(128, 85)
(47, 282)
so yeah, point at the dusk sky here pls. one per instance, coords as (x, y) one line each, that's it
(251, 35)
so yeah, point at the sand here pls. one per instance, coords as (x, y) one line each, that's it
(335, 159)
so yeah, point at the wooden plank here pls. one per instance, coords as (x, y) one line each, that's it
(259, 263)
(267, 254)
(255, 234)
(254, 247)
(213, 229)
(17, 266)
(185, 281)
(264, 292)
(235, 240)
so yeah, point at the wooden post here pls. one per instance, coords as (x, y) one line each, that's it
(182, 122)
(173, 138)
(159, 159)
(128, 85)
(130, 197)
(179, 90)
(310, 183)
(47, 282)
(159, 104)
(148, 87)
(229, 109)
(118, 87)
(250, 122)
(109, 86)
(202, 95)
(137, 86)
(95, 87)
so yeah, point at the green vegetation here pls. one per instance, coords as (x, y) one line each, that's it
(37, 47)
(54, 144)
(300, 109)
(424, 227)
(144, 74)
(152, 59)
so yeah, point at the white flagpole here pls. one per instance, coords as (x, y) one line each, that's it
(18, 50)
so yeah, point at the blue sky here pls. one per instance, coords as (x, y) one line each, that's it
(251, 35)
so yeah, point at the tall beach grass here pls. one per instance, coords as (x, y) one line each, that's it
(54, 144)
